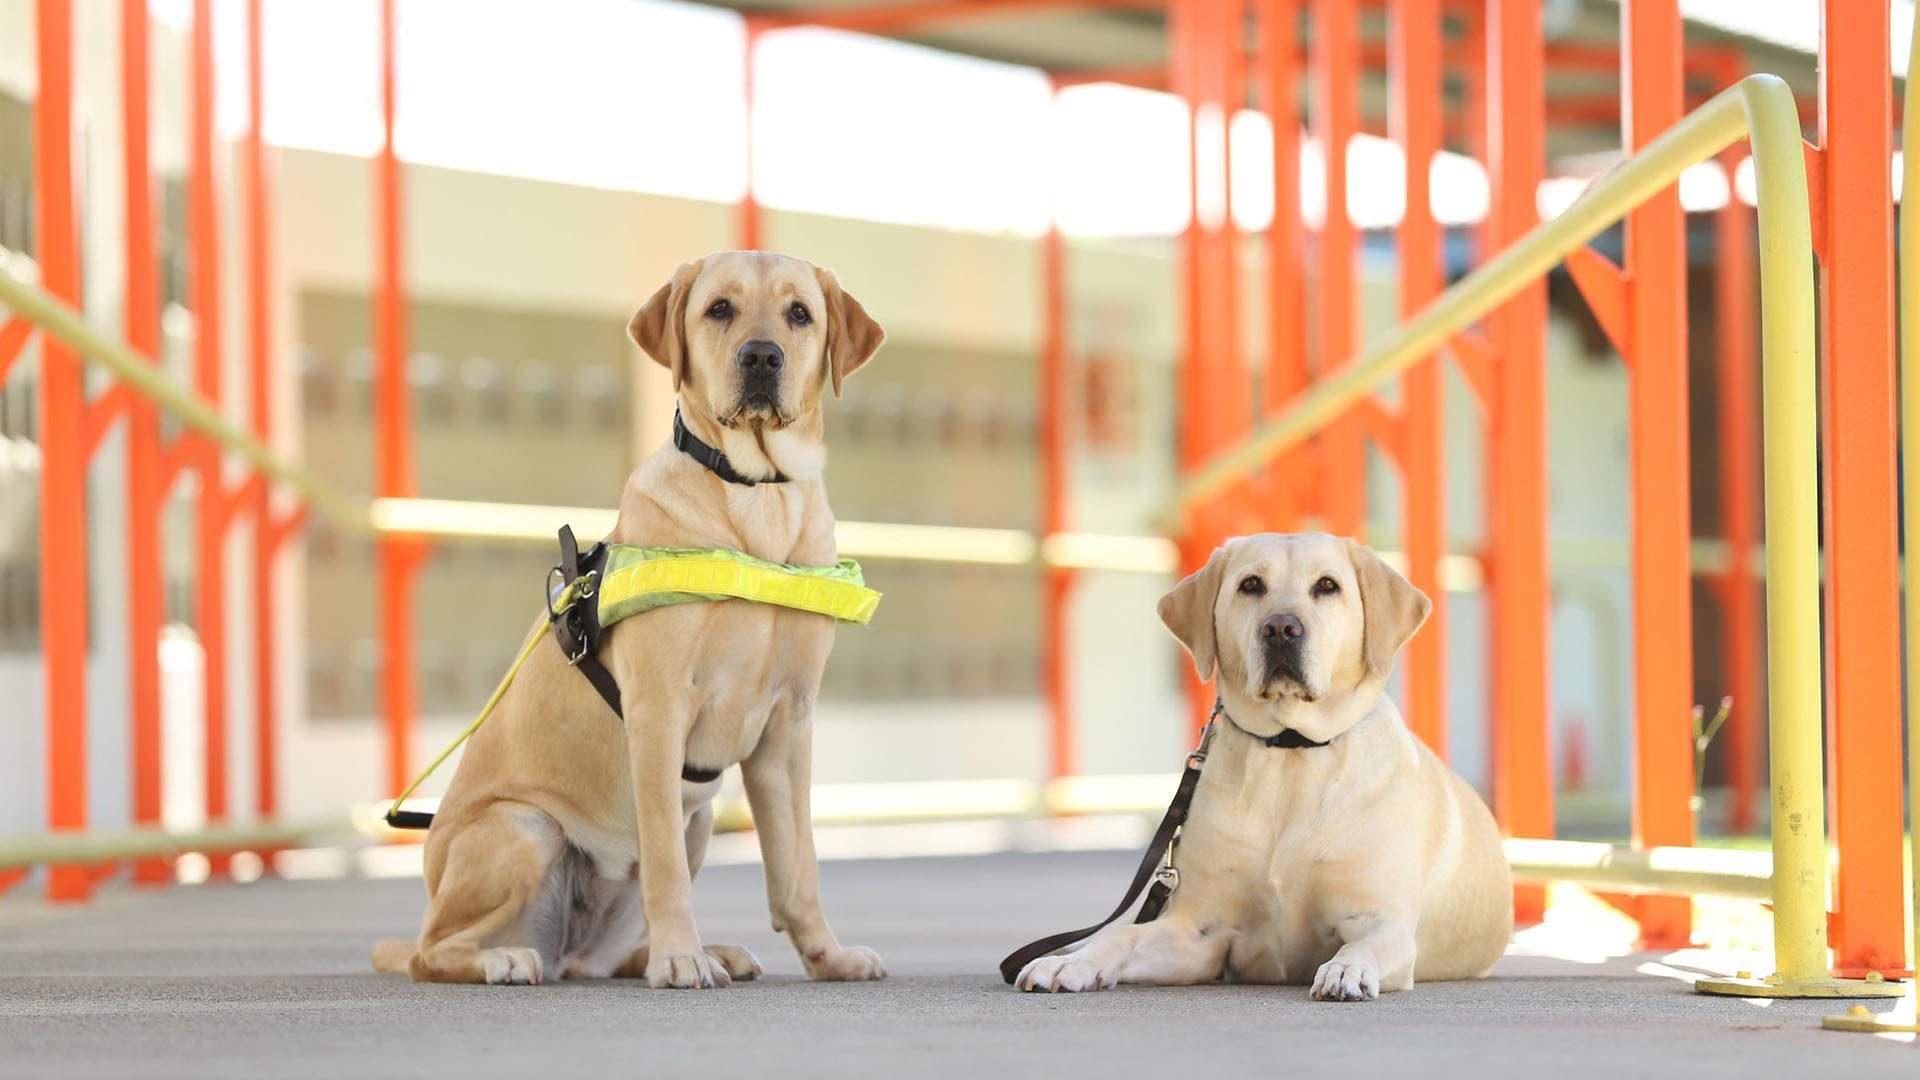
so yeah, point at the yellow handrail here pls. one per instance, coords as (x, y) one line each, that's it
(54, 317)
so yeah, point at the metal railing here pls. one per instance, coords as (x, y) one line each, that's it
(1760, 108)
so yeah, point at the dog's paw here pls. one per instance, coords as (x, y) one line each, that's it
(511, 967)
(739, 963)
(1070, 974)
(1346, 980)
(857, 964)
(697, 971)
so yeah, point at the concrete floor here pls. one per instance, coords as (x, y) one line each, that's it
(271, 979)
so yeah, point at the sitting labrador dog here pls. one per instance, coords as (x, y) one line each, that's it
(568, 840)
(1361, 865)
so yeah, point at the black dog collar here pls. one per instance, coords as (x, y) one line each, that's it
(1287, 739)
(716, 462)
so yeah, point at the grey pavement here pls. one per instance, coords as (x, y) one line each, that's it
(271, 979)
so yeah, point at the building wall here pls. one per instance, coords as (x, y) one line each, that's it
(529, 284)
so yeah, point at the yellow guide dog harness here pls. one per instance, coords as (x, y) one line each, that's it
(588, 592)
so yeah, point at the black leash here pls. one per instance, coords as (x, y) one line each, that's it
(716, 462)
(1156, 865)
(1163, 879)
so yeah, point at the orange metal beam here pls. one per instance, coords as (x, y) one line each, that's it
(63, 475)
(1656, 328)
(13, 340)
(1816, 162)
(1604, 287)
(1737, 369)
(146, 491)
(260, 371)
(1279, 64)
(1473, 355)
(399, 558)
(1416, 98)
(1336, 70)
(203, 210)
(1516, 149)
(100, 413)
(1861, 499)
(1055, 397)
(747, 210)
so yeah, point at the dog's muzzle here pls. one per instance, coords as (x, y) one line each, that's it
(1283, 643)
(760, 363)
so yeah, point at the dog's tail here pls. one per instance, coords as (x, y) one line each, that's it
(392, 955)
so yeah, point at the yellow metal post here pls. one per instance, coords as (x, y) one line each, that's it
(1793, 566)
(1906, 1017)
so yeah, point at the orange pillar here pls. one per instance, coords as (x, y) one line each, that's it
(1656, 351)
(1336, 79)
(1286, 369)
(399, 558)
(63, 468)
(1516, 150)
(1861, 499)
(748, 209)
(146, 587)
(1055, 395)
(259, 346)
(1737, 370)
(203, 208)
(1416, 95)
(1199, 33)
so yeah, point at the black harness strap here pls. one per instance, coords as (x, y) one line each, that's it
(577, 628)
(716, 462)
(1164, 879)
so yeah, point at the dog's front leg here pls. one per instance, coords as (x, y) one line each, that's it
(656, 746)
(1170, 951)
(1377, 955)
(779, 779)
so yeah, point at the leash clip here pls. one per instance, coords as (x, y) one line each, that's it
(1168, 875)
(1198, 756)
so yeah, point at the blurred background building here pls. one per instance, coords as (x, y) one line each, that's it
(561, 159)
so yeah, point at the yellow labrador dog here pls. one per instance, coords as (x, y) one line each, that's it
(1360, 865)
(567, 843)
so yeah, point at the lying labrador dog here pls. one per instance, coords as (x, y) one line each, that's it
(1361, 865)
(567, 843)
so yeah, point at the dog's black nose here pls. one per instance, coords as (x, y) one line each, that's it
(1284, 628)
(761, 358)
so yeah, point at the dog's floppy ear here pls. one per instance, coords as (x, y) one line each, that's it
(852, 335)
(1188, 612)
(1392, 607)
(659, 327)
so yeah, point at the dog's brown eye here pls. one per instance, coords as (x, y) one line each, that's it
(1326, 586)
(1252, 585)
(720, 309)
(798, 315)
